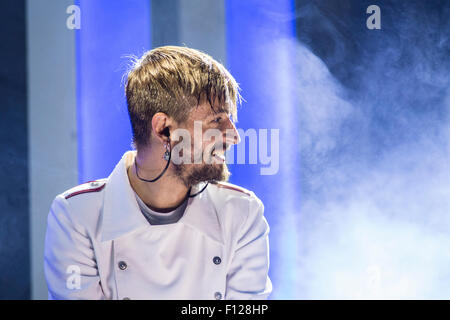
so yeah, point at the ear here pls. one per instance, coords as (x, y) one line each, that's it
(162, 125)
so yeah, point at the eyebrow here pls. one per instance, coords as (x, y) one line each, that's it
(216, 112)
(221, 109)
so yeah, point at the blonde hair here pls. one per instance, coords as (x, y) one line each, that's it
(173, 80)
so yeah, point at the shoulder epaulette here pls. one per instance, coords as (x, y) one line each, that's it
(90, 186)
(230, 186)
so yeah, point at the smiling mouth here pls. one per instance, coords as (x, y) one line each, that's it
(219, 156)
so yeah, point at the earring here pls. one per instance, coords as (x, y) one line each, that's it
(166, 155)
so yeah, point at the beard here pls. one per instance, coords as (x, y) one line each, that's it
(192, 174)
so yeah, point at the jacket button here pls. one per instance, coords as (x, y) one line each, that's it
(217, 260)
(122, 265)
(218, 295)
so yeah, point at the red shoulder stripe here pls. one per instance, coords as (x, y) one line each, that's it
(233, 188)
(85, 191)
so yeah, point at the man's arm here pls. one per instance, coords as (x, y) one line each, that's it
(248, 277)
(69, 262)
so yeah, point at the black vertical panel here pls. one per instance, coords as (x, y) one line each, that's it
(14, 199)
(165, 23)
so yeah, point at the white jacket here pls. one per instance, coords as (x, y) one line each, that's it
(100, 246)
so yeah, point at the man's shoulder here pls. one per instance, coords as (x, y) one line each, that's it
(238, 208)
(80, 204)
(84, 198)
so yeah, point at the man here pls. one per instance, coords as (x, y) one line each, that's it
(164, 224)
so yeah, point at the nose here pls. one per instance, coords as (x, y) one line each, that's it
(232, 135)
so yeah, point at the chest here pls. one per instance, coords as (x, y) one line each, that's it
(164, 262)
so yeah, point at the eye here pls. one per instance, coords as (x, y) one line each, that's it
(217, 120)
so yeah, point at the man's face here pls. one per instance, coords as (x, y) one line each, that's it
(211, 134)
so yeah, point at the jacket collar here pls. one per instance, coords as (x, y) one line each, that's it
(122, 215)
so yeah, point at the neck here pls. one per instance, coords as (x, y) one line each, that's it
(163, 195)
